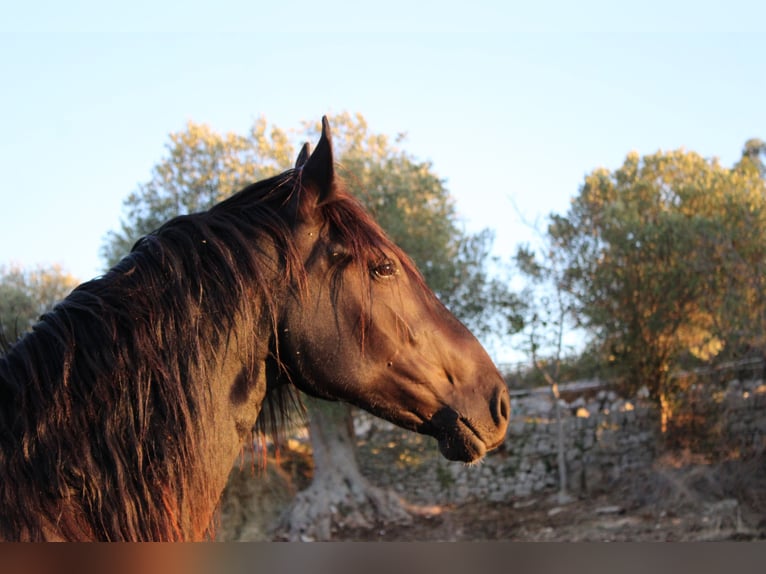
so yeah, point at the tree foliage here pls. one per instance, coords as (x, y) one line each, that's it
(201, 167)
(25, 294)
(664, 258)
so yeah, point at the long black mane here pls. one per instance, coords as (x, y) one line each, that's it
(99, 404)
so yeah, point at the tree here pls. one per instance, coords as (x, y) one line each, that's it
(654, 253)
(545, 319)
(409, 201)
(754, 157)
(202, 167)
(27, 294)
(738, 254)
(339, 494)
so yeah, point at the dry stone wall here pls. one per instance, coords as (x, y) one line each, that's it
(745, 423)
(606, 438)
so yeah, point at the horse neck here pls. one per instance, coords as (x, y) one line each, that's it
(236, 396)
(225, 421)
(230, 392)
(233, 390)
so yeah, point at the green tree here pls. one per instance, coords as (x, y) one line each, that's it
(25, 294)
(547, 312)
(737, 256)
(202, 167)
(654, 252)
(754, 156)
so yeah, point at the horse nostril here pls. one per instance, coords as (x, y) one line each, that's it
(500, 406)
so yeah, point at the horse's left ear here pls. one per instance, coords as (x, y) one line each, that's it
(319, 169)
(303, 155)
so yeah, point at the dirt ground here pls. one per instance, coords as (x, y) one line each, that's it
(601, 519)
(682, 498)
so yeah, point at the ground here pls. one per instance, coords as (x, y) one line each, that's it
(682, 498)
(601, 519)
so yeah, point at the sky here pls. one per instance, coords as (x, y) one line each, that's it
(512, 102)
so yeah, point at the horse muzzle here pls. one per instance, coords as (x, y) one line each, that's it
(466, 438)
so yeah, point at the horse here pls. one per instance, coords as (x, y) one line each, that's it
(124, 409)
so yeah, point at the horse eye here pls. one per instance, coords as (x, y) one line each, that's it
(384, 270)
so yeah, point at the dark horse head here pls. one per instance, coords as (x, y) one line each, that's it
(364, 328)
(123, 411)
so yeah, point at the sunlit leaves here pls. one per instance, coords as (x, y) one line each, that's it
(25, 294)
(201, 167)
(665, 258)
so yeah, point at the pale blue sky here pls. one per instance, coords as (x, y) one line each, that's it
(510, 101)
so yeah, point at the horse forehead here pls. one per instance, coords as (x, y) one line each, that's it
(307, 237)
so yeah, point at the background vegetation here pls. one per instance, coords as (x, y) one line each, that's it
(660, 264)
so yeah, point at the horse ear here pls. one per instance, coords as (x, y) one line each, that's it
(318, 168)
(303, 155)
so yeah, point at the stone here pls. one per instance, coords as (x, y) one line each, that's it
(614, 509)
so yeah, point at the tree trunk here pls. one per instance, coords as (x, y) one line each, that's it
(666, 412)
(563, 496)
(339, 495)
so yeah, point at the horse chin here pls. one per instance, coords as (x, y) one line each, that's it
(461, 445)
(458, 439)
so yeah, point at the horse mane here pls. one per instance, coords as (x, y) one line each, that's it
(99, 404)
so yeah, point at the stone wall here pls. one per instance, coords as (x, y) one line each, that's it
(744, 426)
(605, 438)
